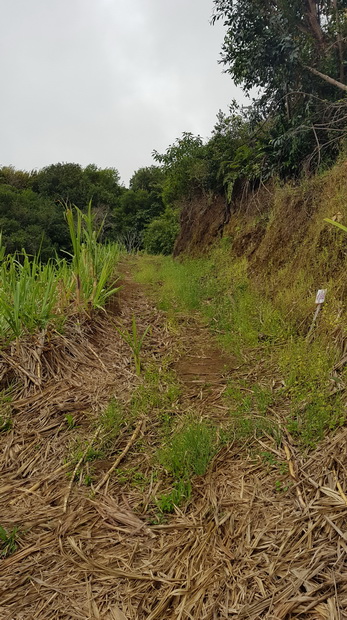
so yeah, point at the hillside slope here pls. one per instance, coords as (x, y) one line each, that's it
(281, 232)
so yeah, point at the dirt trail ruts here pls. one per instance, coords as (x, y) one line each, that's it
(239, 549)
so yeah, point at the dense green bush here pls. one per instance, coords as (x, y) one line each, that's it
(161, 233)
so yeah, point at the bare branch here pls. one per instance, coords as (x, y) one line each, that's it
(327, 78)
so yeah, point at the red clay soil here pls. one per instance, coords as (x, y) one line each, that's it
(202, 221)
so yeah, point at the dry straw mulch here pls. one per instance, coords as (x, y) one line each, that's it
(242, 548)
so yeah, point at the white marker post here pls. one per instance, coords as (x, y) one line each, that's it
(320, 299)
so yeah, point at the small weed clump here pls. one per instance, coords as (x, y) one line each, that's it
(180, 492)
(158, 391)
(132, 476)
(8, 541)
(135, 341)
(188, 453)
(111, 420)
(5, 423)
(190, 450)
(84, 452)
(87, 455)
(314, 409)
(70, 421)
(81, 457)
(249, 409)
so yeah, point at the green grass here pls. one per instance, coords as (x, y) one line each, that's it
(79, 451)
(34, 295)
(189, 450)
(249, 411)
(180, 493)
(314, 408)
(221, 291)
(111, 420)
(5, 423)
(8, 541)
(249, 325)
(158, 391)
(70, 421)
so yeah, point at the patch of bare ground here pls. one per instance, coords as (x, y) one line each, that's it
(241, 548)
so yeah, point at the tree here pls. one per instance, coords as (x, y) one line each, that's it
(15, 178)
(32, 222)
(185, 166)
(276, 44)
(70, 183)
(62, 182)
(150, 178)
(295, 52)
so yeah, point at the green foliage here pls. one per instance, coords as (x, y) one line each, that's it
(5, 424)
(138, 206)
(181, 491)
(28, 294)
(134, 341)
(160, 235)
(279, 47)
(70, 421)
(268, 46)
(337, 224)
(220, 289)
(158, 391)
(310, 421)
(111, 420)
(85, 453)
(32, 211)
(270, 459)
(190, 450)
(249, 410)
(8, 541)
(248, 323)
(307, 371)
(134, 211)
(185, 167)
(69, 183)
(30, 221)
(34, 294)
(92, 262)
(132, 476)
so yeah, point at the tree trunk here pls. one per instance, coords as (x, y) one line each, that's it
(340, 44)
(314, 23)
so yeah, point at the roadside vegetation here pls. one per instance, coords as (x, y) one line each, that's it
(297, 391)
(36, 295)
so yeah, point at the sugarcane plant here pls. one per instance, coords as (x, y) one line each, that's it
(135, 341)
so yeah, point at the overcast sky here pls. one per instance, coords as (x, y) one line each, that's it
(106, 81)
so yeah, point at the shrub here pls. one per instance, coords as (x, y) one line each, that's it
(161, 233)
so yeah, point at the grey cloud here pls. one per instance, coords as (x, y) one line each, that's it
(106, 81)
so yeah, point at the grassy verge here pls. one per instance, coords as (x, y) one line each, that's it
(34, 295)
(295, 377)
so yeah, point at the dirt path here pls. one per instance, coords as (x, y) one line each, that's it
(241, 547)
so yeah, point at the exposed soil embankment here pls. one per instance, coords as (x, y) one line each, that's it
(202, 221)
(276, 227)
